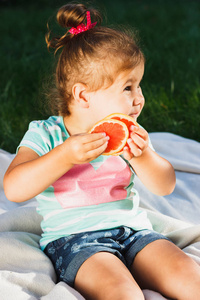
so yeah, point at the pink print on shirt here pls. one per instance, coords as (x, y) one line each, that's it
(83, 185)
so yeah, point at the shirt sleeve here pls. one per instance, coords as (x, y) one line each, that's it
(37, 138)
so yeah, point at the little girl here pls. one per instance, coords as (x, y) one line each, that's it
(97, 238)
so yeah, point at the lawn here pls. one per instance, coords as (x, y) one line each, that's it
(169, 33)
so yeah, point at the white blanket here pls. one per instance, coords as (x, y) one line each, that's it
(27, 274)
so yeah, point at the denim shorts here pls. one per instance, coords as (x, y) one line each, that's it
(69, 253)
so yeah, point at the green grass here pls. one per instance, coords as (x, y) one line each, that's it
(170, 37)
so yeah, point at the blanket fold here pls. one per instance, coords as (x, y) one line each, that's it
(12, 220)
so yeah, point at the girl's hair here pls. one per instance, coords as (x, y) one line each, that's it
(94, 57)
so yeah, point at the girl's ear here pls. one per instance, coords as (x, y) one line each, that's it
(80, 94)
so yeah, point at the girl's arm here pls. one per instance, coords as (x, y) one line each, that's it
(156, 173)
(29, 174)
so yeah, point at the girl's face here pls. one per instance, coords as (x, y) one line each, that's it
(123, 96)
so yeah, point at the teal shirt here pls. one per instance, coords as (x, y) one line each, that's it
(93, 196)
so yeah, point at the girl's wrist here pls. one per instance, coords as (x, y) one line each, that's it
(64, 155)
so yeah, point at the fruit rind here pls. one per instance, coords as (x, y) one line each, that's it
(112, 116)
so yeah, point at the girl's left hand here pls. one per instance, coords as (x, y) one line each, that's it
(138, 143)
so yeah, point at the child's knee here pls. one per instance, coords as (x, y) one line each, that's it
(187, 274)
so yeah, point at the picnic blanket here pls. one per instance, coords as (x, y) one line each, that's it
(26, 273)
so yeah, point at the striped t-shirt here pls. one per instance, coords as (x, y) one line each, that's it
(92, 196)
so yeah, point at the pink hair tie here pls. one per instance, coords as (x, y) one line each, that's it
(82, 27)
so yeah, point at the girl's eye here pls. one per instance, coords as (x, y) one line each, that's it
(128, 88)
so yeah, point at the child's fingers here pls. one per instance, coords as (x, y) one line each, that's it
(94, 144)
(140, 131)
(90, 137)
(139, 137)
(135, 150)
(85, 148)
(138, 141)
(127, 154)
(95, 152)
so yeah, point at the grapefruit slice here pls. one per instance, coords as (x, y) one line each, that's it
(123, 118)
(116, 130)
(126, 120)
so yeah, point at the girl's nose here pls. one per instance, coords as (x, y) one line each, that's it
(137, 100)
(138, 97)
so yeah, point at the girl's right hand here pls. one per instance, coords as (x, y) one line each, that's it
(83, 148)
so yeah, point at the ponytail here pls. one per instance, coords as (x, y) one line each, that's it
(74, 16)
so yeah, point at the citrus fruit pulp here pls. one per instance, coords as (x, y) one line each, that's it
(123, 118)
(126, 120)
(116, 130)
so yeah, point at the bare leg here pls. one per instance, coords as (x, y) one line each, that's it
(104, 276)
(163, 267)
